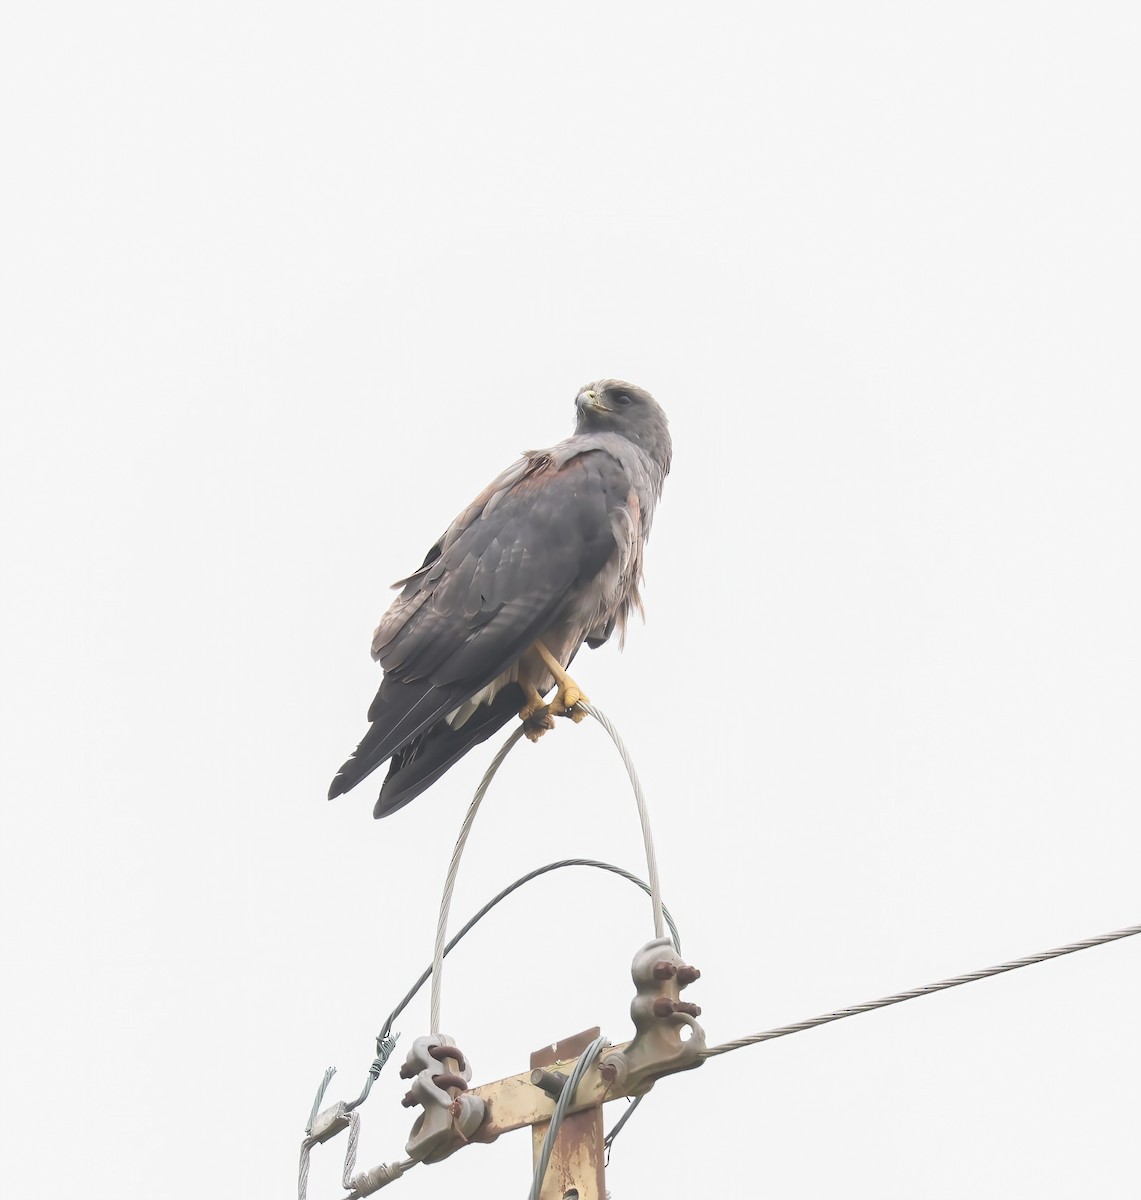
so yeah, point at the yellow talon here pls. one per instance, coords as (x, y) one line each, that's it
(534, 729)
(565, 703)
(536, 716)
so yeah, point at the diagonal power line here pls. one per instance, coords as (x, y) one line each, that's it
(915, 993)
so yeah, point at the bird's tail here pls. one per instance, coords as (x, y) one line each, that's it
(419, 763)
(399, 713)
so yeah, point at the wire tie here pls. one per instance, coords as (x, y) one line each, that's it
(384, 1049)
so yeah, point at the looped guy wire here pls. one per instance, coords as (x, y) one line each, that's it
(914, 993)
(675, 937)
(465, 829)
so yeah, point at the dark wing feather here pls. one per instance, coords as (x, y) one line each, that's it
(493, 583)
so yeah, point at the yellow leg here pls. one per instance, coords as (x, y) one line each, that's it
(566, 701)
(535, 716)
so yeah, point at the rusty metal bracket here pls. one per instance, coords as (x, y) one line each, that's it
(659, 1015)
(576, 1165)
(440, 1074)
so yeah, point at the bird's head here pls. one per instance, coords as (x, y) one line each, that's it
(612, 406)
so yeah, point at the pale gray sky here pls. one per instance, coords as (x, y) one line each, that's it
(284, 285)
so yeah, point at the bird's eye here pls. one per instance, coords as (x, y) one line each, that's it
(622, 398)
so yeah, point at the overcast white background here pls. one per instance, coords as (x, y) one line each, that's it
(284, 285)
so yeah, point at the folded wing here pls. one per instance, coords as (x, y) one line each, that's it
(502, 574)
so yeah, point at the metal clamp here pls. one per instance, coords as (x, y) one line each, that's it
(329, 1123)
(659, 1016)
(440, 1076)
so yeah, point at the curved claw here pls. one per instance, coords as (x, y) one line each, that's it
(568, 703)
(537, 723)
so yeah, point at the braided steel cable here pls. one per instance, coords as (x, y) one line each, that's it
(643, 813)
(453, 870)
(329, 1073)
(899, 997)
(303, 1169)
(351, 1151)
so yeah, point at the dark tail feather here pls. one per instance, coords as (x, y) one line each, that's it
(423, 760)
(399, 712)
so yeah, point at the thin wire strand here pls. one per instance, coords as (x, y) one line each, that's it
(608, 1141)
(915, 993)
(643, 814)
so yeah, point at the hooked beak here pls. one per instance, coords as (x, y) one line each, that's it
(590, 399)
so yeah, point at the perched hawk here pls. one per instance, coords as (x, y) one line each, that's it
(547, 557)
